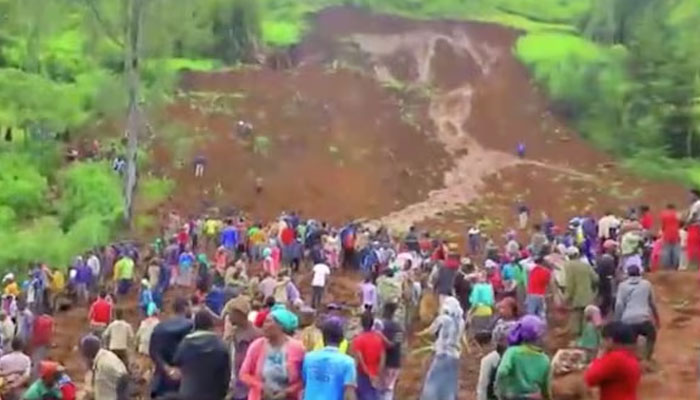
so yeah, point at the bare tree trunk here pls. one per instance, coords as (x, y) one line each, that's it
(135, 120)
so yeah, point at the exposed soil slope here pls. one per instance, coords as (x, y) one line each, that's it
(406, 122)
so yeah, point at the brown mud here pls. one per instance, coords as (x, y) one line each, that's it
(402, 122)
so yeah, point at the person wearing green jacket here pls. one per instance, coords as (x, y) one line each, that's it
(580, 280)
(524, 370)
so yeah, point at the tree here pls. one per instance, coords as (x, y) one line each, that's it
(236, 29)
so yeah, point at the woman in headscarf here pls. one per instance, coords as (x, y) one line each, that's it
(523, 372)
(272, 366)
(441, 382)
(590, 338)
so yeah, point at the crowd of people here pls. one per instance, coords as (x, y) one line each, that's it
(240, 324)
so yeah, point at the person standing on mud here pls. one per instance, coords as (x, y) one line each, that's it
(327, 373)
(166, 336)
(671, 238)
(368, 348)
(606, 266)
(580, 280)
(538, 241)
(237, 310)
(393, 335)
(520, 150)
(523, 216)
(348, 237)
(119, 336)
(203, 362)
(109, 375)
(442, 379)
(199, 163)
(636, 308)
(124, 274)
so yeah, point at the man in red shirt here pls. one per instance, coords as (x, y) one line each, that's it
(670, 236)
(368, 348)
(100, 314)
(646, 219)
(616, 372)
(537, 285)
(42, 334)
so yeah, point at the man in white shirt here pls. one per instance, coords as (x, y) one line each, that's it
(93, 262)
(109, 374)
(118, 336)
(607, 225)
(318, 284)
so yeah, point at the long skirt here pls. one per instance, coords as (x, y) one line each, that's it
(441, 382)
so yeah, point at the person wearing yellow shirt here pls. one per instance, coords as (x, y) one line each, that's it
(57, 285)
(124, 274)
(256, 241)
(212, 226)
(58, 281)
(11, 287)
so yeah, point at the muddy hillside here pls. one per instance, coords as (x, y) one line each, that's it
(402, 122)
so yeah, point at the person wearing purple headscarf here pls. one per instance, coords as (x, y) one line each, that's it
(523, 372)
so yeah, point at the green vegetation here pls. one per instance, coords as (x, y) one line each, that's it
(38, 224)
(630, 81)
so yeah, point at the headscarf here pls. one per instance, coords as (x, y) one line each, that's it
(145, 283)
(572, 251)
(529, 329)
(501, 332)
(48, 369)
(267, 252)
(452, 308)
(593, 314)
(202, 259)
(286, 319)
